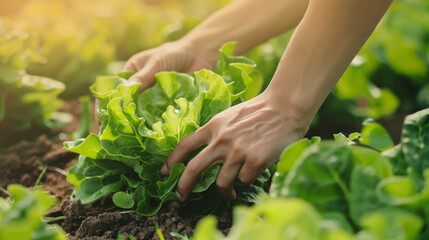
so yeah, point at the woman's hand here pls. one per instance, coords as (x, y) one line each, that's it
(172, 56)
(246, 139)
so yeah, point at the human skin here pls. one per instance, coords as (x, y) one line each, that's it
(249, 137)
(248, 22)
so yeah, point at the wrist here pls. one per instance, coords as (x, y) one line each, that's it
(293, 103)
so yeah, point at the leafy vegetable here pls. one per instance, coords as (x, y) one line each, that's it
(139, 130)
(375, 136)
(275, 218)
(333, 190)
(415, 140)
(28, 100)
(21, 217)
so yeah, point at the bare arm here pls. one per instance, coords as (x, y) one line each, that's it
(325, 42)
(249, 22)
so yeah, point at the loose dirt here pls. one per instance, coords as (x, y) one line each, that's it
(24, 162)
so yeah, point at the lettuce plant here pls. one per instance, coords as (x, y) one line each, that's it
(275, 218)
(28, 101)
(21, 217)
(25, 100)
(358, 181)
(340, 190)
(139, 130)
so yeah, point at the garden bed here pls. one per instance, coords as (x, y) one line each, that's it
(23, 163)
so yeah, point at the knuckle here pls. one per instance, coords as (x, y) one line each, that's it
(169, 162)
(136, 78)
(200, 132)
(222, 140)
(229, 131)
(254, 163)
(129, 65)
(185, 142)
(238, 149)
(221, 184)
(243, 142)
(205, 127)
(134, 59)
(155, 61)
(181, 189)
(193, 168)
(246, 179)
(216, 119)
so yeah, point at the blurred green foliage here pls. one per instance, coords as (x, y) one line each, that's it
(394, 58)
(327, 190)
(21, 215)
(75, 41)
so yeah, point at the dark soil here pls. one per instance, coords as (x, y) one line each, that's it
(24, 162)
(92, 222)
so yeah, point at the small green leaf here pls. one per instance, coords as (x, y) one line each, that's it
(341, 138)
(2, 106)
(123, 200)
(415, 140)
(291, 153)
(393, 223)
(375, 136)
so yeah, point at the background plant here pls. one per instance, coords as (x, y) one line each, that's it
(342, 190)
(21, 217)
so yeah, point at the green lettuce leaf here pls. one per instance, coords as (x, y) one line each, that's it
(22, 217)
(29, 101)
(415, 140)
(139, 130)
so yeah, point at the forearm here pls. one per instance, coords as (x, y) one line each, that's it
(249, 22)
(323, 45)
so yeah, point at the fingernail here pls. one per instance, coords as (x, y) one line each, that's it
(164, 169)
(178, 195)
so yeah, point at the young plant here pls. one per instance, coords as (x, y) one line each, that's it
(28, 101)
(139, 130)
(21, 216)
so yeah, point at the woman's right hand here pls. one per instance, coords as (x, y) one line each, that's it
(172, 56)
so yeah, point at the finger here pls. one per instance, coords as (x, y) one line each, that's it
(145, 76)
(193, 171)
(130, 66)
(251, 170)
(136, 62)
(188, 144)
(225, 180)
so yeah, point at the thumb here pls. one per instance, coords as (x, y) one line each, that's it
(145, 76)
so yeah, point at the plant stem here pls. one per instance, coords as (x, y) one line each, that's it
(40, 176)
(126, 212)
(58, 170)
(4, 191)
(158, 231)
(50, 220)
